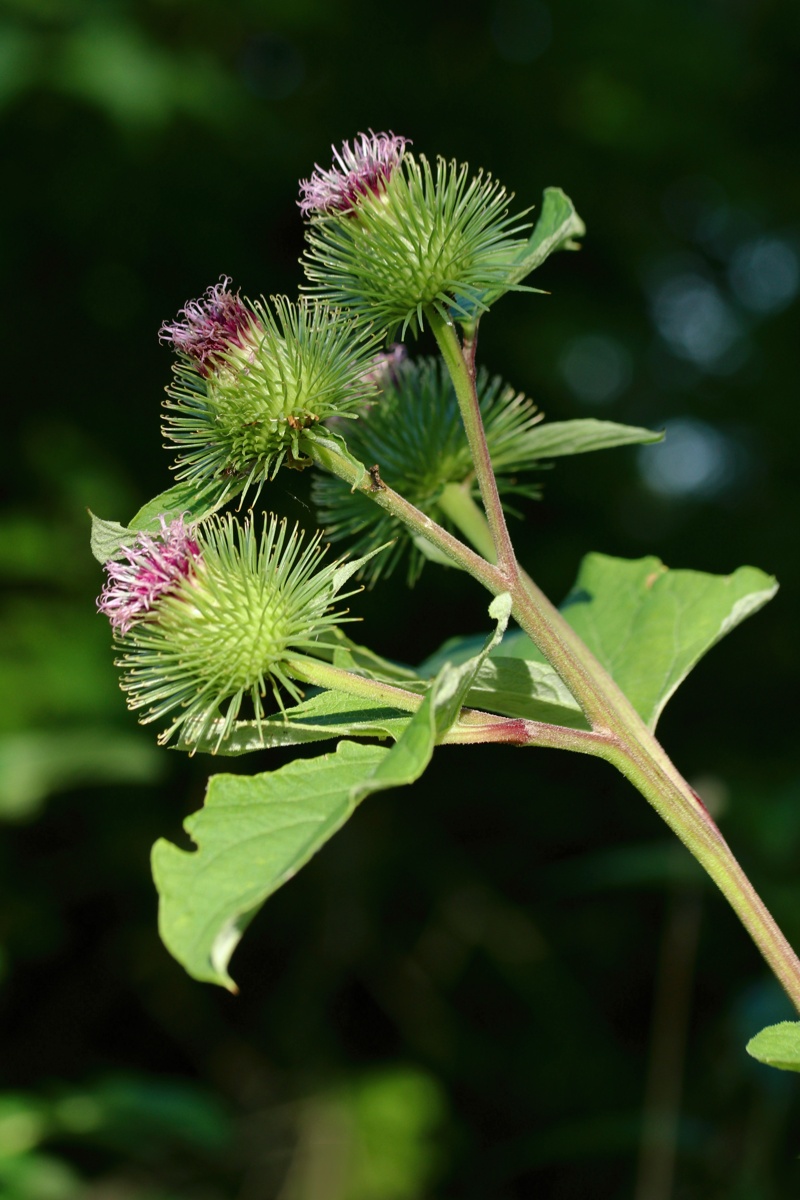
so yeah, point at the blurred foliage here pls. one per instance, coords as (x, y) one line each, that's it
(455, 998)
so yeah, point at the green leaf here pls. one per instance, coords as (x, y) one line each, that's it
(254, 833)
(557, 227)
(560, 438)
(649, 625)
(514, 687)
(778, 1046)
(331, 714)
(183, 499)
(107, 538)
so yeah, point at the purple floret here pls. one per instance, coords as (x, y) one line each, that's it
(360, 169)
(155, 563)
(214, 324)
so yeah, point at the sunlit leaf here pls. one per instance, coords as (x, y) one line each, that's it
(560, 438)
(778, 1046)
(649, 625)
(107, 538)
(533, 690)
(255, 832)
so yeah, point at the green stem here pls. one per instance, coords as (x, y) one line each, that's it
(462, 372)
(456, 502)
(618, 733)
(624, 738)
(330, 456)
(324, 675)
(471, 728)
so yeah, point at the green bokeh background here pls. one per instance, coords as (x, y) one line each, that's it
(455, 999)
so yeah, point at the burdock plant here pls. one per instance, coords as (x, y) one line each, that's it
(230, 629)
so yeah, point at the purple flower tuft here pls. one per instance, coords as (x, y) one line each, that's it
(155, 563)
(385, 365)
(364, 167)
(214, 324)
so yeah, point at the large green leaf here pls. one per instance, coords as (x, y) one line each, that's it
(255, 832)
(649, 625)
(778, 1046)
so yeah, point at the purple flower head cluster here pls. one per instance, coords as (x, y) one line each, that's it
(213, 325)
(154, 564)
(364, 167)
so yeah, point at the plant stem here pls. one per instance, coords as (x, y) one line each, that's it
(462, 372)
(330, 456)
(324, 675)
(618, 733)
(455, 501)
(623, 737)
(471, 728)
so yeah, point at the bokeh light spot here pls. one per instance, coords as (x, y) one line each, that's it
(695, 461)
(765, 274)
(694, 319)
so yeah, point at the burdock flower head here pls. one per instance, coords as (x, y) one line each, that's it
(213, 328)
(393, 237)
(416, 434)
(149, 568)
(229, 613)
(255, 380)
(359, 170)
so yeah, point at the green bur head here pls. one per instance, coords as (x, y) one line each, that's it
(415, 433)
(429, 238)
(236, 417)
(224, 633)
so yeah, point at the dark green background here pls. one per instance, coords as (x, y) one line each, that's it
(481, 949)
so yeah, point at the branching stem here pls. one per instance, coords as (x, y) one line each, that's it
(618, 734)
(461, 367)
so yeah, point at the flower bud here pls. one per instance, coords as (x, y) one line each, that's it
(417, 436)
(221, 632)
(422, 239)
(247, 408)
